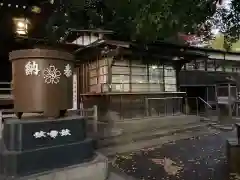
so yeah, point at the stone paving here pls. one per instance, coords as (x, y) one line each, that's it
(197, 158)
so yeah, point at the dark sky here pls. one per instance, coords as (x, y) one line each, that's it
(7, 37)
(6, 45)
(5, 70)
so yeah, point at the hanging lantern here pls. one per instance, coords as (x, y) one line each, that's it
(21, 26)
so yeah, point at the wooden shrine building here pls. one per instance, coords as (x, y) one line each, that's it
(130, 79)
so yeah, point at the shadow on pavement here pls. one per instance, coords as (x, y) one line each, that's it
(199, 158)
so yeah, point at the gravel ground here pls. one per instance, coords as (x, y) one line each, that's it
(198, 158)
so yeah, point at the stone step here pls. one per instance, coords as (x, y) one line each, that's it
(155, 142)
(209, 119)
(106, 130)
(126, 138)
(233, 158)
(156, 122)
(222, 127)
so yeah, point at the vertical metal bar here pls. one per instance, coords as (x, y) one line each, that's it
(165, 105)
(186, 106)
(146, 107)
(95, 118)
(237, 104)
(178, 105)
(216, 98)
(173, 102)
(205, 64)
(207, 93)
(130, 75)
(181, 105)
(81, 108)
(148, 78)
(236, 95)
(197, 106)
(214, 64)
(1, 124)
(229, 101)
(164, 78)
(121, 110)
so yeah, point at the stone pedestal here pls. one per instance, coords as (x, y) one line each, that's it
(233, 152)
(233, 155)
(36, 145)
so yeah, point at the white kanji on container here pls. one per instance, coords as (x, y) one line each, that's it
(51, 75)
(65, 132)
(53, 134)
(39, 134)
(31, 68)
(68, 71)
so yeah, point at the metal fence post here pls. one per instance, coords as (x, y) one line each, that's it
(165, 106)
(185, 106)
(173, 106)
(197, 106)
(95, 119)
(146, 107)
(1, 124)
(81, 109)
(181, 105)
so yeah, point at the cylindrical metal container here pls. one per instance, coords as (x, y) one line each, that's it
(42, 81)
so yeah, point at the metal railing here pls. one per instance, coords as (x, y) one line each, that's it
(5, 91)
(89, 113)
(5, 88)
(168, 106)
(198, 106)
(205, 102)
(146, 107)
(141, 106)
(171, 106)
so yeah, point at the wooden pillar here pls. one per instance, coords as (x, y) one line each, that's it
(229, 101)
(178, 67)
(75, 89)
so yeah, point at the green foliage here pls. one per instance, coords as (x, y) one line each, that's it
(230, 24)
(220, 43)
(143, 20)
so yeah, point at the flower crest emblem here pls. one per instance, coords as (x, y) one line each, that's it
(51, 75)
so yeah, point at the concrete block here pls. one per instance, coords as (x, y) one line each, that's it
(233, 155)
(94, 170)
